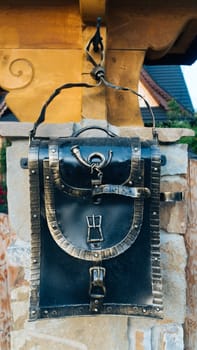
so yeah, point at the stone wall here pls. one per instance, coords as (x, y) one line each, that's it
(106, 332)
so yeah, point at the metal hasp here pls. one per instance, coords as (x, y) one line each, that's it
(97, 289)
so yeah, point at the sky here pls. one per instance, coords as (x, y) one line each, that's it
(190, 75)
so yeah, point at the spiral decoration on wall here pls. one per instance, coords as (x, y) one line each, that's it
(21, 74)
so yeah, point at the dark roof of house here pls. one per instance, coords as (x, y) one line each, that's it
(170, 79)
(166, 83)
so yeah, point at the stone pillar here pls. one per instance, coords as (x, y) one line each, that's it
(106, 332)
(7, 274)
(191, 271)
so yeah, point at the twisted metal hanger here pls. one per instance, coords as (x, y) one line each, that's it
(98, 73)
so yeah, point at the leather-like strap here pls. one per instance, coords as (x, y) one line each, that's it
(133, 192)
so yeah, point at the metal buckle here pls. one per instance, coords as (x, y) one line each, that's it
(97, 289)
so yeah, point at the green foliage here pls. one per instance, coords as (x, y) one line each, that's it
(191, 141)
(179, 118)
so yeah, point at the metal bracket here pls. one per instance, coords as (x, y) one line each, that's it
(172, 196)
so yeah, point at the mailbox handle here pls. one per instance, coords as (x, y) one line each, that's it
(56, 92)
(94, 127)
(101, 80)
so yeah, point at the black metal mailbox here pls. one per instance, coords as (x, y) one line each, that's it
(95, 227)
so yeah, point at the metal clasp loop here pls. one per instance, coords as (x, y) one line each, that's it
(97, 289)
(94, 160)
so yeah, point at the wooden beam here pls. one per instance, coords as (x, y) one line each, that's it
(123, 68)
(91, 9)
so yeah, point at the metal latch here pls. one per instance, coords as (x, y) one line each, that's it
(97, 289)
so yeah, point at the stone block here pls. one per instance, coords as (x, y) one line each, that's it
(19, 258)
(177, 159)
(155, 337)
(167, 337)
(167, 135)
(139, 334)
(85, 333)
(18, 190)
(20, 306)
(173, 261)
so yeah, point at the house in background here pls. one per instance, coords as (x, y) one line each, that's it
(160, 85)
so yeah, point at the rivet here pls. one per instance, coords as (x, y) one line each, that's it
(109, 309)
(158, 309)
(139, 177)
(96, 301)
(47, 177)
(54, 312)
(96, 255)
(136, 149)
(54, 226)
(130, 182)
(35, 261)
(46, 312)
(154, 213)
(53, 150)
(136, 226)
(62, 186)
(144, 311)
(96, 310)
(33, 312)
(35, 216)
(155, 169)
(156, 259)
(33, 171)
